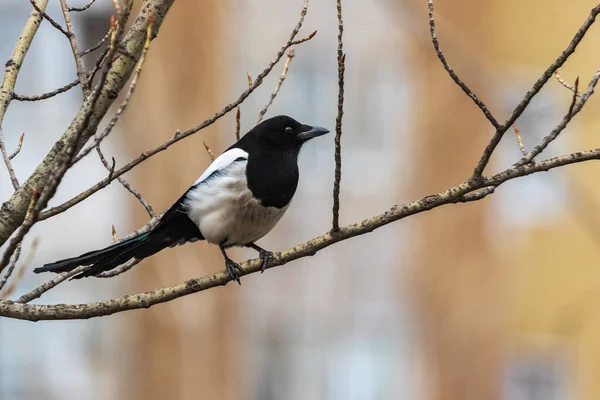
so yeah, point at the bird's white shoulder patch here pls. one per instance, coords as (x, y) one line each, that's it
(221, 162)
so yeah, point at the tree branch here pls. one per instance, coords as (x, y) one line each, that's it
(455, 194)
(286, 65)
(11, 268)
(81, 75)
(48, 18)
(83, 8)
(13, 65)
(7, 158)
(455, 78)
(45, 96)
(126, 184)
(341, 62)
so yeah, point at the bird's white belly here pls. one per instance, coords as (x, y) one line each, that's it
(227, 213)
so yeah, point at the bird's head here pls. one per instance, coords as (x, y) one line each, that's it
(282, 133)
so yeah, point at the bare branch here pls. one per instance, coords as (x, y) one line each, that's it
(476, 194)
(10, 269)
(455, 194)
(209, 151)
(68, 86)
(81, 75)
(574, 98)
(46, 95)
(39, 291)
(341, 61)
(49, 19)
(97, 45)
(181, 135)
(519, 140)
(286, 65)
(19, 146)
(451, 72)
(7, 158)
(125, 184)
(119, 270)
(83, 8)
(15, 244)
(537, 86)
(10, 289)
(237, 124)
(566, 84)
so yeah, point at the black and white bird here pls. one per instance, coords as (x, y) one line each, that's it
(235, 202)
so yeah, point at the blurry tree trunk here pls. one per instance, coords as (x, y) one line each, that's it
(458, 289)
(181, 350)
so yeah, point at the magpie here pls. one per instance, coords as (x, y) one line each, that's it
(238, 199)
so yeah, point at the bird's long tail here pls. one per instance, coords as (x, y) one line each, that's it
(139, 247)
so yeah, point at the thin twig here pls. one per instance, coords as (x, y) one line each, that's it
(209, 151)
(341, 60)
(21, 272)
(119, 270)
(10, 269)
(19, 146)
(476, 195)
(45, 96)
(451, 72)
(13, 285)
(181, 135)
(58, 279)
(574, 109)
(98, 138)
(99, 63)
(125, 184)
(82, 8)
(49, 19)
(17, 251)
(537, 86)
(519, 140)
(566, 84)
(286, 65)
(237, 124)
(7, 158)
(65, 88)
(97, 45)
(81, 75)
(574, 98)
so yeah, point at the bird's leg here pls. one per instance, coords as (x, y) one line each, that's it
(232, 266)
(264, 255)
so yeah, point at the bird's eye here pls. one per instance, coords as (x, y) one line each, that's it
(288, 130)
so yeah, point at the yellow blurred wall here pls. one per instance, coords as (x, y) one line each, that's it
(557, 273)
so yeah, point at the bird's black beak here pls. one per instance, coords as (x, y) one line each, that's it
(311, 132)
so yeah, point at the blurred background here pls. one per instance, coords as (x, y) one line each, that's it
(488, 300)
